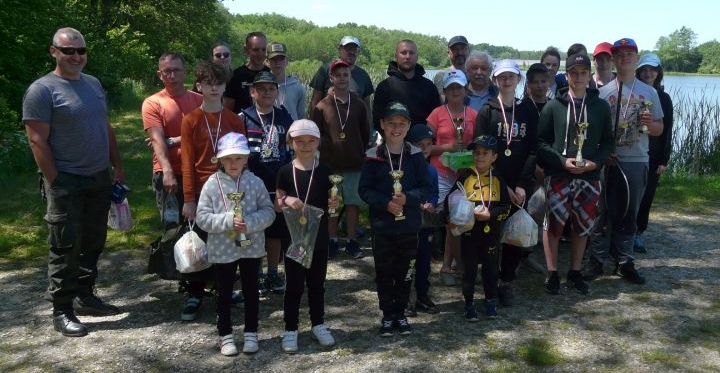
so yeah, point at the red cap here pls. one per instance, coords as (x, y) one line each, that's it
(603, 47)
(338, 64)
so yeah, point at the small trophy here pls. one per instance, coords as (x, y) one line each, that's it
(397, 188)
(582, 127)
(645, 108)
(242, 240)
(459, 129)
(335, 180)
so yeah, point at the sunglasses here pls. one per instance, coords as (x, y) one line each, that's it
(71, 50)
(222, 55)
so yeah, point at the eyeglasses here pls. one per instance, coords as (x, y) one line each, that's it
(222, 55)
(71, 50)
(168, 72)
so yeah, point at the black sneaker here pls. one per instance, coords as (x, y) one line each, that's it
(593, 269)
(552, 283)
(490, 308)
(505, 294)
(639, 244)
(387, 327)
(629, 273)
(91, 305)
(237, 299)
(353, 249)
(190, 312)
(262, 285)
(576, 282)
(403, 326)
(275, 283)
(424, 304)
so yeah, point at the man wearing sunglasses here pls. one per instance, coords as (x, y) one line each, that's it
(65, 116)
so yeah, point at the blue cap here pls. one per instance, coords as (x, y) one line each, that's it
(649, 59)
(419, 132)
(624, 43)
(485, 141)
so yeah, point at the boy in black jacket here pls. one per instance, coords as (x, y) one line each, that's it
(394, 182)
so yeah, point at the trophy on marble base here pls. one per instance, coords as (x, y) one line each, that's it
(582, 127)
(645, 108)
(397, 188)
(335, 180)
(459, 129)
(240, 239)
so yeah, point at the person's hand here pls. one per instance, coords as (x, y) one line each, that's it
(394, 208)
(661, 169)
(169, 182)
(427, 206)
(645, 118)
(189, 210)
(119, 175)
(482, 213)
(294, 203)
(239, 225)
(333, 203)
(520, 195)
(612, 160)
(399, 198)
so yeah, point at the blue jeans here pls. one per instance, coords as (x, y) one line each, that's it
(422, 261)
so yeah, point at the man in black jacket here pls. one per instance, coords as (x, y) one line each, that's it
(406, 84)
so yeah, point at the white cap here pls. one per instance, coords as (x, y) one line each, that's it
(454, 76)
(349, 40)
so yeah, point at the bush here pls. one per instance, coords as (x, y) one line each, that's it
(15, 155)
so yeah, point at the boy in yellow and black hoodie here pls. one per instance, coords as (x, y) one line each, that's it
(480, 245)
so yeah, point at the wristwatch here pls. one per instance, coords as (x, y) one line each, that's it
(169, 141)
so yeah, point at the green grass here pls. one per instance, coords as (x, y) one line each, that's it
(665, 358)
(692, 194)
(540, 352)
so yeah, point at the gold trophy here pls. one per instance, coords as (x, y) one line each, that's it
(242, 240)
(645, 108)
(397, 188)
(582, 127)
(459, 129)
(335, 180)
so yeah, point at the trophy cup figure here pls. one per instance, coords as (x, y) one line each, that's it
(335, 180)
(459, 129)
(397, 188)
(582, 127)
(645, 109)
(240, 240)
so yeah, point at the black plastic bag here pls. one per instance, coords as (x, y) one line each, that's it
(162, 253)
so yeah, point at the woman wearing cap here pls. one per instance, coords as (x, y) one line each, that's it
(515, 127)
(650, 71)
(217, 214)
(446, 121)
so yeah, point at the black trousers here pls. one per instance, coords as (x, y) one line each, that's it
(394, 255)
(298, 277)
(477, 248)
(224, 279)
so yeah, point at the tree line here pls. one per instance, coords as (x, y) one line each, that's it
(125, 37)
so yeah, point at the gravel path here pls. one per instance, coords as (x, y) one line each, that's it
(670, 324)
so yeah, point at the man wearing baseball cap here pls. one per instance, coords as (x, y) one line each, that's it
(360, 81)
(458, 51)
(602, 59)
(633, 123)
(291, 95)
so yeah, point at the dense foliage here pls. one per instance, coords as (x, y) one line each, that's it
(125, 37)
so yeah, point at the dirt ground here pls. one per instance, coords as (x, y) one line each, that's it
(670, 324)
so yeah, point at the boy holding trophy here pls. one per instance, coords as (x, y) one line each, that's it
(574, 141)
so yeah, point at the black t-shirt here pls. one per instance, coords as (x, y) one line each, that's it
(238, 87)
(318, 190)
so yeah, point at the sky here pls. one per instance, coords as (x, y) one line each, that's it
(523, 26)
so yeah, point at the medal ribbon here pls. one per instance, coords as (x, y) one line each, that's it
(507, 126)
(627, 105)
(297, 191)
(271, 131)
(452, 119)
(347, 113)
(390, 158)
(213, 141)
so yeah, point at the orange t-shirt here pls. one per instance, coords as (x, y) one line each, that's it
(439, 120)
(200, 134)
(167, 111)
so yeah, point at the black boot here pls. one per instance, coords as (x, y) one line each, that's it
(88, 304)
(66, 323)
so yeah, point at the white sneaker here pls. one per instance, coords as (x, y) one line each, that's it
(289, 341)
(321, 333)
(227, 345)
(251, 343)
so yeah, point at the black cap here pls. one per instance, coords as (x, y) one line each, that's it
(396, 108)
(264, 77)
(457, 40)
(580, 59)
(485, 141)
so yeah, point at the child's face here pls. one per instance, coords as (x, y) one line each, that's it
(340, 78)
(305, 146)
(538, 85)
(455, 93)
(483, 158)
(264, 94)
(234, 164)
(277, 63)
(425, 146)
(211, 91)
(578, 77)
(395, 127)
(507, 82)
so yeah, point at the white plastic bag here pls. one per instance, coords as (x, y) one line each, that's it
(461, 211)
(191, 253)
(170, 209)
(303, 235)
(520, 230)
(536, 205)
(119, 216)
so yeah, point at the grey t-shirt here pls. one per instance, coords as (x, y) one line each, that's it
(631, 144)
(76, 111)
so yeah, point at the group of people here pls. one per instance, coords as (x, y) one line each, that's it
(245, 157)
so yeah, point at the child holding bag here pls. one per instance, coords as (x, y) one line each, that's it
(217, 214)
